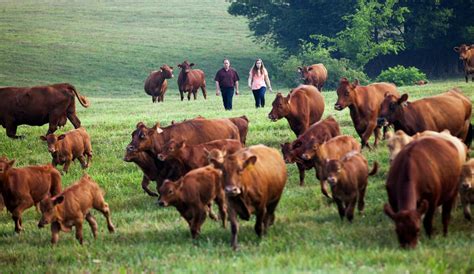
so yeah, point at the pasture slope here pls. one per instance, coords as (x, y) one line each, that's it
(106, 49)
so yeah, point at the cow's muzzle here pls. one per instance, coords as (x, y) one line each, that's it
(382, 122)
(272, 118)
(41, 224)
(131, 148)
(338, 107)
(305, 156)
(161, 157)
(232, 190)
(162, 203)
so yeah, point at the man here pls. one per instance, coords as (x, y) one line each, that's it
(227, 80)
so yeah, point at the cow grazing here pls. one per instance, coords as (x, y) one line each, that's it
(39, 105)
(364, 105)
(348, 180)
(315, 75)
(450, 110)
(254, 179)
(22, 188)
(422, 177)
(72, 206)
(190, 80)
(65, 148)
(156, 84)
(466, 187)
(242, 124)
(193, 194)
(466, 54)
(302, 107)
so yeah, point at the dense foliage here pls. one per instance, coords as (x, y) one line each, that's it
(402, 76)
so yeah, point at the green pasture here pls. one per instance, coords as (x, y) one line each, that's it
(106, 49)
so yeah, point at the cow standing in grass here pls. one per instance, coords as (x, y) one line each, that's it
(190, 80)
(315, 75)
(466, 54)
(156, 83)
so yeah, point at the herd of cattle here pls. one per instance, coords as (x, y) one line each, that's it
(200, 161)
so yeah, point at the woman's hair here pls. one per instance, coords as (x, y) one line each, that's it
(254, 68)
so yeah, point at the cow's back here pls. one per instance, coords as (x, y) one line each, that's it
(151, 82)
(308, 102)
(370, 97)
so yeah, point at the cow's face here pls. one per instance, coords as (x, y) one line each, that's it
(310, 149)
(464, 51)
(171, 149)
(52, 141)
(305, 72)
(407, 224)
(466, 177)
(287, 153)
(5, 165)
(48, 208)
(333, 170)
(169, 192)
(130, 154)
(391, 109)
(345, 94)
(280, 107)
(396, 142)
(185, 66)
(142, 137)
(167, 71)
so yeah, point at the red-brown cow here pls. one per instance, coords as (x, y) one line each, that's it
(65, 148)
(450, 110)
(22, 188)
(254, 179)
(72, 206)
(242, 124)
(193, 194)
(466, 187)
(422, 177)
(364, 105)
(156, 84)
(190, 80)
(315, 75)
(302, 107)
(348, 179)
(39, 105)
(466, 54)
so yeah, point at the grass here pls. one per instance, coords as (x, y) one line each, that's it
(101, 47)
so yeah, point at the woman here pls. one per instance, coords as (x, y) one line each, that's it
(258, 82)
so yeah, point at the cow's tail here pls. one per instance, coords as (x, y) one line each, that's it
(468, 140)
(374, 168)
(82, 99)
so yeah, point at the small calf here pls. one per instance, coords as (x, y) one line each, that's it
(70, 207)
(466, 187)
(348, 180)
(192, 195)
(65, 148)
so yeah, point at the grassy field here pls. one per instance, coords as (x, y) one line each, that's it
(106, 49)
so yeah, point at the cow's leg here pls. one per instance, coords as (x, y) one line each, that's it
(78, 225)
(74, 119)
(340, 208)
(270, 216)
(301, 171)
(11, 131)
(350, 209)
(212, 215)
(234, 227)
(261, 215)
(194, 93)
(145, 183)
(93, 223)
(83, 162)
(197, 221)
(221, 204)
(189, 95)
(466, 208)
(204, 92)
(361, 199)
(103, 207)
(55, 228)
(368, 131)
(181, 92)
(16, 214)
(376, 135)
(66, 165)
(446, 215)
(428, 220)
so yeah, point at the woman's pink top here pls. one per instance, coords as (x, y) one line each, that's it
(258, 81)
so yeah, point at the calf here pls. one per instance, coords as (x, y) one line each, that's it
(70, 207)
(156, 84)
(190, 80)
(422, 177)
(348, 180)
(65, 148)
(254, 179)
(466, 187)
(466, 54)
(24, 187)
(315, 75)
(192, 195)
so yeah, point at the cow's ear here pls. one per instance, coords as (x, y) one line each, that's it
(423, 207)
(140, 124)
(43, 138)
(249, 161)
(179, 66)
(389, 211)
(456, 49)
(387, 93)
(58, 200)
(161, 68)
(62, 136)
(156, 126)
(192, 64)
(344, 80)
(403, 99)
(11, 163)
(356, 83)
(300, 69)
(181, 144)
(310, 68)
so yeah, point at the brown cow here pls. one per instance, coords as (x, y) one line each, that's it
(72, 206)
(242, 124)
(190, 80)
(302, 107)
(466, 187)
(364, 105)
(466, 54)
(65, 148)
(315, 75)
(195, 156)
(192, 195)
(450, 110)
(422, 177)
(421, 82)
(348, 179)
(254, 179)
(24, 187)
(39, 105)
(156, 84)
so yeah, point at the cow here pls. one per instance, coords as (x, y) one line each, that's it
(348, 180)
(65, 148)
(193, 194)
(422, 177)
(156, 83)
(22, 188)
(70, 207)
(421, 82)
(253, 181)
(364, 105)
(466, 187)
(315, 75)
(36, 106)
(450, 110)
(242, 124)
(466, 54)
(302, 107)
(195, 156)
(190, 80)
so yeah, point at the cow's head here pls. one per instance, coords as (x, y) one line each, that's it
(407, 223)
(305, 72)
(310, 149)
(287, 153)
(185, 66)
(131, 154)
(396, 142)
(464, 51)
(333, 169)
(167, 71)
(52, 141)
(280, 107)
(142, 137)
(345, 93)
(466, 177)
(171, 149)
(391, 109)
(170, 192)
(5, 165)
(233, 166)
(49, 210)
